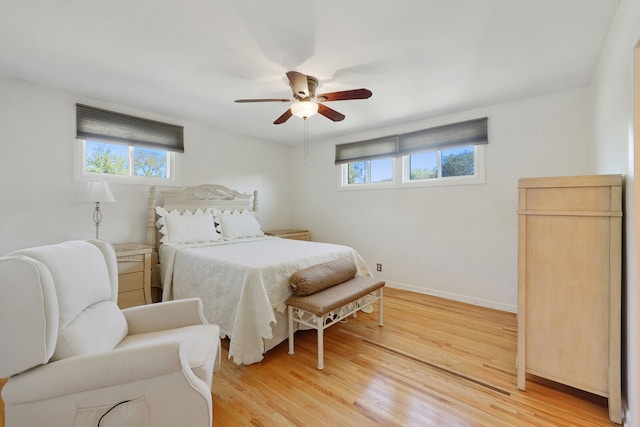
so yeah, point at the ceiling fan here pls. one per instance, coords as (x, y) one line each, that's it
(306, 103)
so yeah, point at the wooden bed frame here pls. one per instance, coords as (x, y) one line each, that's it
(193, 198)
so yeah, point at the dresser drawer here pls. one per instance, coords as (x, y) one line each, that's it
(130, 281)
(131, 298)
(130, 264)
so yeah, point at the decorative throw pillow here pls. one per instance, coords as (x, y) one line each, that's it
(322, 276)
(99, 327)
(239, 225)
(190, 228)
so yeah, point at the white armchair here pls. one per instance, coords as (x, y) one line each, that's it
(75, 359)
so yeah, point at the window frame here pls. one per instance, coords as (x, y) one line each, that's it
(345, 176)
(81, 174)
(401, 174)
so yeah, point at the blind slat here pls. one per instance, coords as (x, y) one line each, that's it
(471, 132)
(98, 124)
(369, 149)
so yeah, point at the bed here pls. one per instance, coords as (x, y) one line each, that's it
(210, 245)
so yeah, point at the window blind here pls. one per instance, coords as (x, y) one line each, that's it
(470, 132)
(103, 125)
(367, 150)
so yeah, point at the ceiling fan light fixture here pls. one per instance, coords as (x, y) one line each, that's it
(304, 109)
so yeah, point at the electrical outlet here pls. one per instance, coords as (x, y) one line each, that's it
(378, 267)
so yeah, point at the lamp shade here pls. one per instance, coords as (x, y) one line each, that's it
(97, 191)
(304, 109)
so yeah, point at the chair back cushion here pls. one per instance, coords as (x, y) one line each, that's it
(86, 288)
(112, 265)
(28, 315)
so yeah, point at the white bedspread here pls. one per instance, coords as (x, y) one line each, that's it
(241, 283)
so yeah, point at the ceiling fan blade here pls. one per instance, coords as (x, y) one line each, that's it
(345, 95)
(283, 118)
(299, 84)
(330, 113)
(263, 100)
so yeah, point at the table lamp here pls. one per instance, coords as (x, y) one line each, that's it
(97, 191)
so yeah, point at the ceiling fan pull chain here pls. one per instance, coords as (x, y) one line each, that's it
(306, 141)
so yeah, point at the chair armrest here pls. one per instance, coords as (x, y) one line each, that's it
(164, 315)
(93, 371)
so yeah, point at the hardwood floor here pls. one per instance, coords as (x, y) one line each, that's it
(434, 363)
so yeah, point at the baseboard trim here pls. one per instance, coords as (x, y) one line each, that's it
(455, 297)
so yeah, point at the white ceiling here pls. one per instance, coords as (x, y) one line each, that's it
(191, 59)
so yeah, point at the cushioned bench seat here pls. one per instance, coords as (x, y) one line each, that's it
(337, 296)
(327, 293)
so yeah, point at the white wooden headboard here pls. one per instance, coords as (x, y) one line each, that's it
(192, 198)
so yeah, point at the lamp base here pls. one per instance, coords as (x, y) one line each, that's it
(97, 218)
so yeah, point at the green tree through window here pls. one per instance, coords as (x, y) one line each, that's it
(149, 162)
(457, 164)
(101, 159)
(357, 173)
(424, 173)
(126, 160)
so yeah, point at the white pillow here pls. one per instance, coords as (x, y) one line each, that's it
(238, 225)
(99, 327)
(190, 228)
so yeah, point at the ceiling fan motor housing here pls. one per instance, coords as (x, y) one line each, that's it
(312, 83)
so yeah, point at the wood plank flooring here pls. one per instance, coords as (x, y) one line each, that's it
(434, 363)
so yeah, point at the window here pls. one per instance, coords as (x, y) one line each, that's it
(125, 163)
(118, 147)
(439, 164)
(370, 171)
(445, 155)
(452, 166)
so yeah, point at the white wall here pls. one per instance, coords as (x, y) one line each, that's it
(459, 242)
(39, 197)
(613, 89)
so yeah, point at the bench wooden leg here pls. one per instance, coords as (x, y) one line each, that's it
(320, 327)
(290, 317)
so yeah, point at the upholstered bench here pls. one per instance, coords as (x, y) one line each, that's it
(326, 293)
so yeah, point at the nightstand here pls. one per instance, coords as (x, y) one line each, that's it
(290, 233)
(134, 274)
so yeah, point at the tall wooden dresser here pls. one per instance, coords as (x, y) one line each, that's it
(569, 283)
